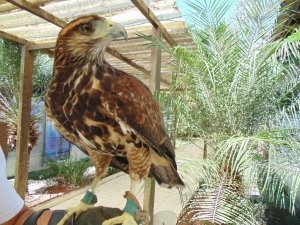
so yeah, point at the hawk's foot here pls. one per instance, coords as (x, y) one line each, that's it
(86, 203)
(133, 213)
(124, 219)
(133, 204)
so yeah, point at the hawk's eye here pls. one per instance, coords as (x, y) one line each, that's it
(86, 28)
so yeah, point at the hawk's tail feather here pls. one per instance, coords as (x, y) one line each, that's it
(166, 176)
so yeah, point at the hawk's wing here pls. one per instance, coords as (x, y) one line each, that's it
(131, 102)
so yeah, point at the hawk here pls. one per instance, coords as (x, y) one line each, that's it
(109, 114)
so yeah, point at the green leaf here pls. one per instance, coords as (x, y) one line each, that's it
(294, 37)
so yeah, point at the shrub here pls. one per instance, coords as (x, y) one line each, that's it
(70, 171)
(41, 174)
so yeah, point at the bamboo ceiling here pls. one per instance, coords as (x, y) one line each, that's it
(23, 26)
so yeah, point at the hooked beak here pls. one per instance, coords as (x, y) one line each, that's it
(118, 30)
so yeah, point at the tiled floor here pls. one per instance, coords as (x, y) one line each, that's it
(111, 189)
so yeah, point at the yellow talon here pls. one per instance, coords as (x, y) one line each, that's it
(124, 219)
(81, 207)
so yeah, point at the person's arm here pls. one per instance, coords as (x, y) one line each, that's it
(20, 217)
(11, 205)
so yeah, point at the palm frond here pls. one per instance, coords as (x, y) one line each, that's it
(288, 51)
(268, 159)
(208, 15)
(280, 178)
(218, 204)
(192, 169)
(8, 109)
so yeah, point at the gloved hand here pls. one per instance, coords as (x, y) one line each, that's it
(95, 216)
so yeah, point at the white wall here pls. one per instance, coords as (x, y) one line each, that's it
(76, 153)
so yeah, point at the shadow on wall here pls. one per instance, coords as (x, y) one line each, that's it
(55, 146)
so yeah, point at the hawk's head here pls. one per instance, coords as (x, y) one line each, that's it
(86, 38)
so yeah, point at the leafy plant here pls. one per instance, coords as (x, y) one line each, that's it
(241, 96)
(41, 174)
(73, 172)
(42, 73)
(112, 170)
(70, 171)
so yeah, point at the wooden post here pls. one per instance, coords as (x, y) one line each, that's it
(175, 123)
(149, 196)
(3, 138)
(155, 67)
(149, 191)
(21, 169)
(204, 149)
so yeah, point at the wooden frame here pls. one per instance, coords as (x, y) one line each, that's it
(13, 38)
(149, 191)
(23, 121)
(155, 71)
(27, 6)
(147, 12)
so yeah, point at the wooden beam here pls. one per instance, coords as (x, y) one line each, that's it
(118, 55)
(155, 72)
(3, 138)
(48, 45)
(123, 58)
(25, 5)
(21, 171)
(149, 196)
(155, 64)
(6, 7)
(13, 38)
(147, 12)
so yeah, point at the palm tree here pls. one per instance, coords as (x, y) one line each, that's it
(241, 96)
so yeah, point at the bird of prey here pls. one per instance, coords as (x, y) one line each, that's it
(109, 114)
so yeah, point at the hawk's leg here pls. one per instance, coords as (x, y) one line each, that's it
(134, 184)
(101, 163)
(139, 167)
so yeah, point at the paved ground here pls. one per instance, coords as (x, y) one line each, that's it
(111, 189)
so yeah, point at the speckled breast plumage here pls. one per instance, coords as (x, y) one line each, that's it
(77, 108)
